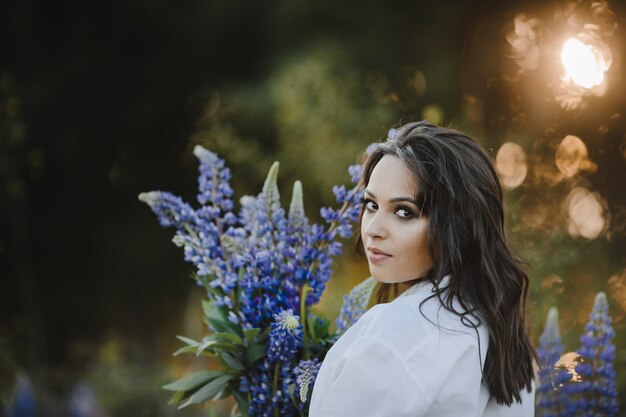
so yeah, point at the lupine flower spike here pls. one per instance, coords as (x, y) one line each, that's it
(354, 304)
(597, 393)
(551, 399)
(285, 336)
(305, 372)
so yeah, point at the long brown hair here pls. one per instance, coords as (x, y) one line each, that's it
(462, 199)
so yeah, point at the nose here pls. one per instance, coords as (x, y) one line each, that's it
(373, 226)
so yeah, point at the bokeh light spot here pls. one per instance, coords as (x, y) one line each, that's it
(569, 360)
(511, 164)
(523, 40)
(571, 156)
(583, 65)
(433, 113)
(586, 214)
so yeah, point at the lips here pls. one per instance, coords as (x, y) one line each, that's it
(376, 255)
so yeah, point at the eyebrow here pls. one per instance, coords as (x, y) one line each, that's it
(395, 199)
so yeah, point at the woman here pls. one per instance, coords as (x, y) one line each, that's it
(455, 342)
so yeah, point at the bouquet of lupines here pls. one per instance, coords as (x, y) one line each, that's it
(262, 269)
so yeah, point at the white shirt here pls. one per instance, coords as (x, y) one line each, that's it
(393, 362)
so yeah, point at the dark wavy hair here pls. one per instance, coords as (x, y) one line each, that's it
(461, 196)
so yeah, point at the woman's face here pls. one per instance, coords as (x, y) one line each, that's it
(394, 235)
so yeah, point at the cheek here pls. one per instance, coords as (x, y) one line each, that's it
(414, 240)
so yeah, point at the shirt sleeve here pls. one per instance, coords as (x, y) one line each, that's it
(372, 381)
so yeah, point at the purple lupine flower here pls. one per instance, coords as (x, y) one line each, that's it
(355, 171)
(267, 225)
(297, 220)
(200, 232)
(552, 402)
(306, 372)
(213, 181)
(83, 402)
(285, 337)
(340, 224)
(23, 402)
(171, 210)
(259, 386)
(296, 264)
(355, 304)
(597, 391)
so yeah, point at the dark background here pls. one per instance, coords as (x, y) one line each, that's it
(102, 101)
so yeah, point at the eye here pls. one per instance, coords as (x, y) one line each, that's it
(370, 205)
(404, 213)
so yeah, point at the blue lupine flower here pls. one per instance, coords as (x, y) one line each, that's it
(355, 171)
(171, 210)
(83, 402)
(259, 384)
(354, 304)
(285, 336)
(597, 393)
(23, 403)
(213, 180)
(306, 372)
(297, 220)
(552, 402)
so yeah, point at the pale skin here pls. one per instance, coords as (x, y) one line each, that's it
(395, 235)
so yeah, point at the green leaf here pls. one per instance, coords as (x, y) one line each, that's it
(264, 334)
(231, 362)
(251, 334)
(176, 398)
(225, 393)
(191, 345)
(254, 353)
(184, 349)
(205, 281)
(310, 322)
(189, 341)
(207, 392)
(212, 411)
(214, 316)
(242, 403)
(321, 327)
(192, 381)
(206, 343)
(229, 337)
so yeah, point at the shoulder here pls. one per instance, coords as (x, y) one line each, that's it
(416, 323)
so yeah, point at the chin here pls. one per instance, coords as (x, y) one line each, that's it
(387, 280)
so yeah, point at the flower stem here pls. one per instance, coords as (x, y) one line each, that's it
(303, 317)
(274, 387)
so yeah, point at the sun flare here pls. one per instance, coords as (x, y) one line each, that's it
(583, 65)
